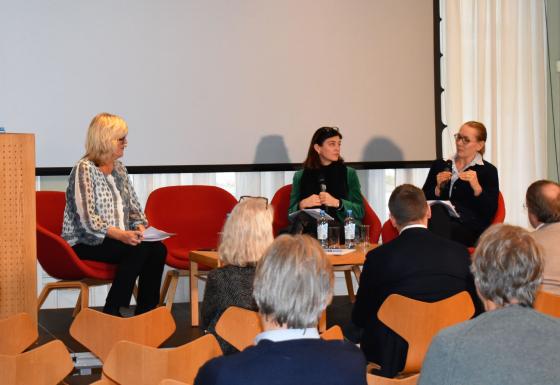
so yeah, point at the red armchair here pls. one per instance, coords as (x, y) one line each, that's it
(58, 259)
(281, 203)
(196, 214)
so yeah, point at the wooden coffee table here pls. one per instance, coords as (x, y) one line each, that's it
(349, 262)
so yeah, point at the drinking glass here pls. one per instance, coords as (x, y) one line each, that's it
(363, 238)
(334, 237)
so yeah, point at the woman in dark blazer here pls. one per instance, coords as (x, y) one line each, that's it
(469, 182)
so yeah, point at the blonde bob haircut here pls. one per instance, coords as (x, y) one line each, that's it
(102, 137)
(507, 265)
(293, 282)
(247, 233)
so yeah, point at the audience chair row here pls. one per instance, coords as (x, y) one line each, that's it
(128, 346)
(46, 364)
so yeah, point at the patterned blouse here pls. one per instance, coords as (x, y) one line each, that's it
(95, 202)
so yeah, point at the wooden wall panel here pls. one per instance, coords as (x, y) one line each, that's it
(18, 257)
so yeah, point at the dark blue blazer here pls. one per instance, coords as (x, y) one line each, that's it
(417, 264)
(476, 212)
(301, 361)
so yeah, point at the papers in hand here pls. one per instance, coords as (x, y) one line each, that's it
(151, 234)
(315, 213)
(447, 204)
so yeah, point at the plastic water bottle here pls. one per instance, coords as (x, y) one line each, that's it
(349, 230)
(323, 230)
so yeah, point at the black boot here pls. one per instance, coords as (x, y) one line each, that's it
(112, 310)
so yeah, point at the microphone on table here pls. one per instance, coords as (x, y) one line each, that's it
(448, 167)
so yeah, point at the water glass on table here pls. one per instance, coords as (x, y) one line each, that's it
(334, 237)
(362, 243)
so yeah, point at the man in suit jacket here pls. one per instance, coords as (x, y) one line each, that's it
(417, 264)
(543, 207)
(293, 286)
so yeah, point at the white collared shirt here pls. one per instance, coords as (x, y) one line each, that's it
(477, 160)
(539, 226)
(278, 335)
(412, 226)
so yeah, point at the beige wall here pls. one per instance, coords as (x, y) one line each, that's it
(553, 21)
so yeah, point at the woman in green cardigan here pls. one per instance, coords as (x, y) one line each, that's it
(326, 181)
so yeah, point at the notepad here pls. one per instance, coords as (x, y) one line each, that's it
(151, 234)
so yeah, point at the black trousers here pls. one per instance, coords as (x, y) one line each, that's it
(443, 224)
(144, 261)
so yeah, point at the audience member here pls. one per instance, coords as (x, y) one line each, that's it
(246, 235)
(511, 343)
(326, 182)
(543, 206)
(103, 220)
(293, 286)
(417, 264)
(469, 182)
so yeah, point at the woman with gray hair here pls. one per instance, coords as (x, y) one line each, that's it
(511, 343)
(246, 235)
(293, 286)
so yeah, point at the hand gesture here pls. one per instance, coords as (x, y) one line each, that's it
(310, 201)
(443, 177)
(328, 200)
(131, 237)
(471, 177)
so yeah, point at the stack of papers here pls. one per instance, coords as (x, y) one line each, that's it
(447, 204)
(151, 234)
(314, 213)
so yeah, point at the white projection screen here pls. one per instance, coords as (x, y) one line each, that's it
(222, 83)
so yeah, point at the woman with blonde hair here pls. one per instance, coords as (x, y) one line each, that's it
(103, 220)
(469, 182)
(246, 235)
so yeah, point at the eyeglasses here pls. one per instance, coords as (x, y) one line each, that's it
(461, 138)
(245, 197)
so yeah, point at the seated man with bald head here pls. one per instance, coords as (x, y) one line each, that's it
(543, 207)
(293, 286)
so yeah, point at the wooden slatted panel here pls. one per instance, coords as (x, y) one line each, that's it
(18, 257)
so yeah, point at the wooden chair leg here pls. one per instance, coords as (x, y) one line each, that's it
(83, 299)
(193, 293)
(78, 306)
(43, 296)
(164, 288)
(174, 281)
(349, 285)
(357, 272)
